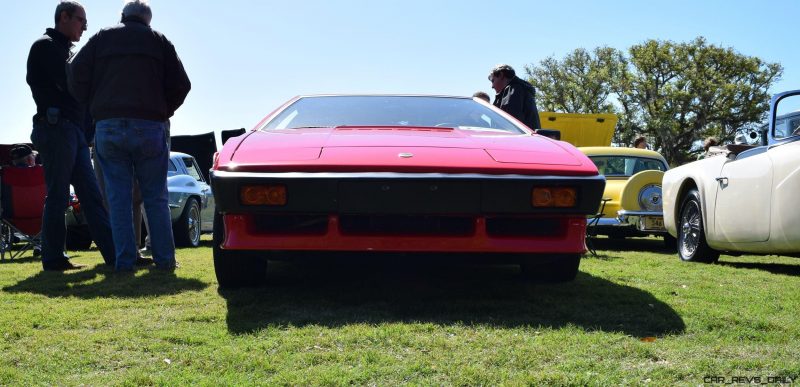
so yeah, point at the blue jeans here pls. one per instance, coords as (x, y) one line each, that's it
(65, 159)
(127, 149)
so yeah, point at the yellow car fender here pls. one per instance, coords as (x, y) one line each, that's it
(629, 199)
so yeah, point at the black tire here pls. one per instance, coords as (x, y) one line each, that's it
(692, 245)
(557, 268)
(236, 268)
(78, 238)
(187, 229)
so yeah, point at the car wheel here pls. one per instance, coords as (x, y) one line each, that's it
(78, 238)
(692, 246)
(562, 268)
(187, 228)
(236, 268)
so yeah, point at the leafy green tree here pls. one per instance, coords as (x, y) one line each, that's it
(673, 93)
(581, 82)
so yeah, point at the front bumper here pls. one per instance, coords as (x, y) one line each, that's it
(405, 212)
(651, 222)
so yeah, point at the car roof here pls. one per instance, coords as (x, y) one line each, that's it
(179, 154)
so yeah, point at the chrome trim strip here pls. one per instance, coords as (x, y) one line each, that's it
(622, 213)
(389, 175)
(605, 222)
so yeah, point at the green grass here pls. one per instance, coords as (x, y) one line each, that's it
(634, 315)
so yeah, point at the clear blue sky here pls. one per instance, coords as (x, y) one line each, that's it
(245, 58)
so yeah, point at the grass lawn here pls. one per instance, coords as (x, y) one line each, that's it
(634, 315)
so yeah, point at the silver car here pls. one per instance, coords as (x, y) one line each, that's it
(191, 204)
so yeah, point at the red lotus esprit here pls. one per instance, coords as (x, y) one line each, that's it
(377, 173)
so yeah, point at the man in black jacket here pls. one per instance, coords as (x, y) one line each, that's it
(514, 95)
(133, 81)
(58, 134)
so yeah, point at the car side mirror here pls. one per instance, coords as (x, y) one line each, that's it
(552, 133)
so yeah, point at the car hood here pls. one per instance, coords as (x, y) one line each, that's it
(581, 129)
(403, 149)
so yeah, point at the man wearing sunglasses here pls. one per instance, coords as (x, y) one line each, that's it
(58, 134)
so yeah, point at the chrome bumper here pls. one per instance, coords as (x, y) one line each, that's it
(637, 219)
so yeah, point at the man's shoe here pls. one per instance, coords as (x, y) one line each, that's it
(142, 261)
(64, 265)
(146, 251)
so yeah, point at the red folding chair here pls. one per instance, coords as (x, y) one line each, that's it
(22, 195)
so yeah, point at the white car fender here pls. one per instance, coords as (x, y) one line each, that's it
(702, 174)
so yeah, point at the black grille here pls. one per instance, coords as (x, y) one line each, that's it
(407, 225)
(517, 227)
(291, 224)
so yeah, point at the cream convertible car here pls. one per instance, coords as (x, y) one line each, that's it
(742, 202)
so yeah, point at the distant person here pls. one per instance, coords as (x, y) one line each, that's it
(23, 156)
(132, 79)
(640, 142)
(708, 151)
(482, 95)
(515, 96)
(58, 134)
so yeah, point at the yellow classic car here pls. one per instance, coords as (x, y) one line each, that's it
(632, 202)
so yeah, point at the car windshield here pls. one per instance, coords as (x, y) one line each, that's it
(626, 165)
(787, 125)
(445, 112)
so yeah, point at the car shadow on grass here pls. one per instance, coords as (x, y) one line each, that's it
(101, 281)
(336, 293)
(655, 245)
(774, 268)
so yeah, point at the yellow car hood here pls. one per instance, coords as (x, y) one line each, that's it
(581, 129)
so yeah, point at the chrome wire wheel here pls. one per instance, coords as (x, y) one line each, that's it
(186, 229)
(193, 225)
(689, 237)
(692, 244)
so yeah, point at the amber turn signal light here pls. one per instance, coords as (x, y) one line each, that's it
(263, 195)
(554, 197)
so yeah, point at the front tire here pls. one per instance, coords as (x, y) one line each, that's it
(187, 229)
(692, 245)
(236, 268)
(561, 268)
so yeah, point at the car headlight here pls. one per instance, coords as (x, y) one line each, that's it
(650, 197)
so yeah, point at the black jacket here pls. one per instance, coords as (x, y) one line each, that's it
(518, 98)
(47, 76)
(129, 71)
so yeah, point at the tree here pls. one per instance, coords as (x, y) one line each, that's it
(674, 93)
(581, 82)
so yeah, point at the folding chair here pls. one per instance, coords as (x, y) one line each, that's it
(22, 195)
(593, 221)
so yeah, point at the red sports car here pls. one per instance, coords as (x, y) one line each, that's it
(377, 173)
